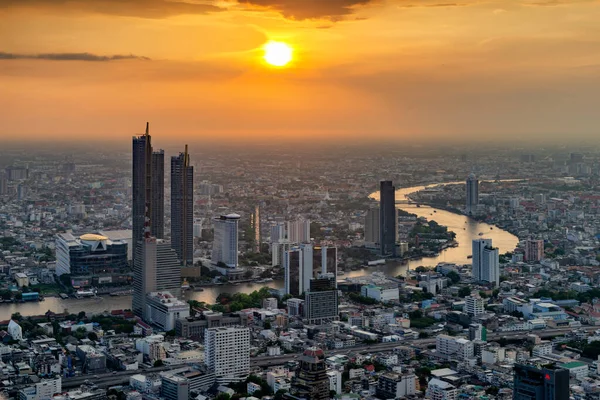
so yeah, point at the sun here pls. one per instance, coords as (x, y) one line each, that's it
(277, 54)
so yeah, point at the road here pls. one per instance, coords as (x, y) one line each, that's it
(422, 343)
(122, 377)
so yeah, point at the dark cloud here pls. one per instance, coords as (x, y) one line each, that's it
(129, 8)
(311, 9)
(68, 57)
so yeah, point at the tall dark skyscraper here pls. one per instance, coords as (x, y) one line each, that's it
(148, 186)
(141, 186)
(182, 207)
(157, 216)
(311, 380)
(531, 383)
(387, 218)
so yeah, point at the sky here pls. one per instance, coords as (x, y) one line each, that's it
(363, 70)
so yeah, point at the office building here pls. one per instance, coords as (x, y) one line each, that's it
(381, 293)
(440, 390)
(156, 268)
(472, 194)
(534, 250)
(474, 305)
(321, 301)
(278, 232)
(147, 190)
(486, 262)
(295, 307)
(277, 253)
(453, 348)
(92, 259)
(43, 390)
(227, 353)
(256, 229)
(182, 207)
(388, 229)
(163, 310)
(195, 327)
(298, 231)
(157, 210)
(293, 263)
(3, 184)
(372, 228)
(311, 380)
(477, 332)
(93, 361)
(532, 383)
(270, 303)
(17, 173)
(396, 386)
(225, 243)
(174, 387)
(304, 263)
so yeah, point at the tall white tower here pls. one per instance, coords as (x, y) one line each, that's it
(486, 262)
(225, 243)
(227, 353)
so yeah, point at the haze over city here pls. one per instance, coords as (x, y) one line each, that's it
(392, 70)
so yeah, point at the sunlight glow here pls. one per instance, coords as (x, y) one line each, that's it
(277, 54)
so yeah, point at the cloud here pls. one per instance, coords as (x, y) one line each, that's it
(69, 57)
(333, 10)
(128, 8)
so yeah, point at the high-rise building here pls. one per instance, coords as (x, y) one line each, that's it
(227, 353)
(305, 262)
(298, 231)
(534, 250)
(256, 229)
(532, 383)
(45, 389)
(311, 380)
(477, 332)
(92, 260)
(277, 232)
(182, 207)
(174, 387)
(148, 174)
(388, 221)
(474, 305)
(225, 243)
(163, 310)
(486, 262)
(453, 348)
(472, 194)
(156, 268)
(157, 215)
(3, 184)
(321, 301)
(372, 228)
(293, 265)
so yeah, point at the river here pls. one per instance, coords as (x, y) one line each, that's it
(466, 230)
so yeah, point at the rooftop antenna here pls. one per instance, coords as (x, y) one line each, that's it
(147, 128)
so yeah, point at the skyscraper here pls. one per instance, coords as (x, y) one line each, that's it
(298, 231)
(532, 383)
(227, 353)
(182, 207)
(156, 268)
(311, 380)
(387, 218)
(472, 194)
(534, 250)
(225, 243)
(486, 263)
(157, 216)
(321, 300)
(306, 262)
(372, 227)
(293, 271)
(256, 229)
(3, 183)
(148, 189)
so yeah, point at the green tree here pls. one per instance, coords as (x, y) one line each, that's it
(16, 316)
(158, 363)
(454, 277)
(19, 296)
(223, 396)
(464, 291)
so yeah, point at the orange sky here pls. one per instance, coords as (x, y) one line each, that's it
(366, 69)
